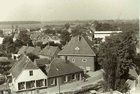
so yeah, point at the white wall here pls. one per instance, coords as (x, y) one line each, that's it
(101, 36)
(24, 76)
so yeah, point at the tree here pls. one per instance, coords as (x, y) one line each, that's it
(116, 56)
(65, 37)
(32, 56)
(25, 38)
(8, 45)
(78, 30)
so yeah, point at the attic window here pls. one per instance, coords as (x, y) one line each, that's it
(31, 73)
(77, 48)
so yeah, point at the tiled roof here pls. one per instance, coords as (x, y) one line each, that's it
(22, 50)
(50, 51)
(60, 67)
(4, 87)
(23, 63)
(29, 49)
(42, 62)
(77, 46)
(4, 59)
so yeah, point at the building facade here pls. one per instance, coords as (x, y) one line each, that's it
(79, 52)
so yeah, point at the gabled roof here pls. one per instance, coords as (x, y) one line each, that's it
(61, 67)
(77, 46)
(23, 63)
(50, 51)
(29, 49)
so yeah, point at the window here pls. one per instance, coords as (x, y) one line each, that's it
(73, 60)
(31, 73)
(52, 81)
(65, 79)
(21, 85)
(30, 84)
(39, 83)
(73, 76)
(15, 57)
(84, 60)
(88, 68)
(77, 48)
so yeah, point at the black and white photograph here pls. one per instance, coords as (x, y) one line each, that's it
(69, 47)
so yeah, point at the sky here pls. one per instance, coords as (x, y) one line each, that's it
(52, 10)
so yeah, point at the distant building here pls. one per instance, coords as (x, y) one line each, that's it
(133, 83)
(5, 89)
(29, 49)
(79, 52)
(1, 40)
(7, 32)
(104, 34)
(138, 45)
(49, 52)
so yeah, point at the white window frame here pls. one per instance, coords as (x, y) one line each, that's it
(77, 48)
(53, 81)
(74, 76)
(65, 78)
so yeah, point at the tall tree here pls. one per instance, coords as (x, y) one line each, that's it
(8, 45)
(25, 38)
(116, 55)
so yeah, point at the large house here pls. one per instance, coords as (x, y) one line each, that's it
(27, 76)
(79, 52)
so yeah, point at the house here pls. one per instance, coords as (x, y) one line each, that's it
(29, 49)
(133, 81)
(100, 34)
(79, 52)
(5, 89)
(138, 47)
(1, 40)
(39, 37)
(63, 71)
(49, 52)
(27, 76)
(41, 62)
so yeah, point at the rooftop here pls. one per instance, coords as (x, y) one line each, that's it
(60, 67)
(49, 51)
(23, 63)
(79, 46)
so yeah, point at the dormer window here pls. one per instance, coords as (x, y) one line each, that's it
(77, 48)
(31, 73)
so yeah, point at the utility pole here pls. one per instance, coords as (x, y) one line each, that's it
(58, 81)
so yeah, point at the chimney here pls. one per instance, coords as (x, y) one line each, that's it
(80, 37)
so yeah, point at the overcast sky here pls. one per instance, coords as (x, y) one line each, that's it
(48, 10)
